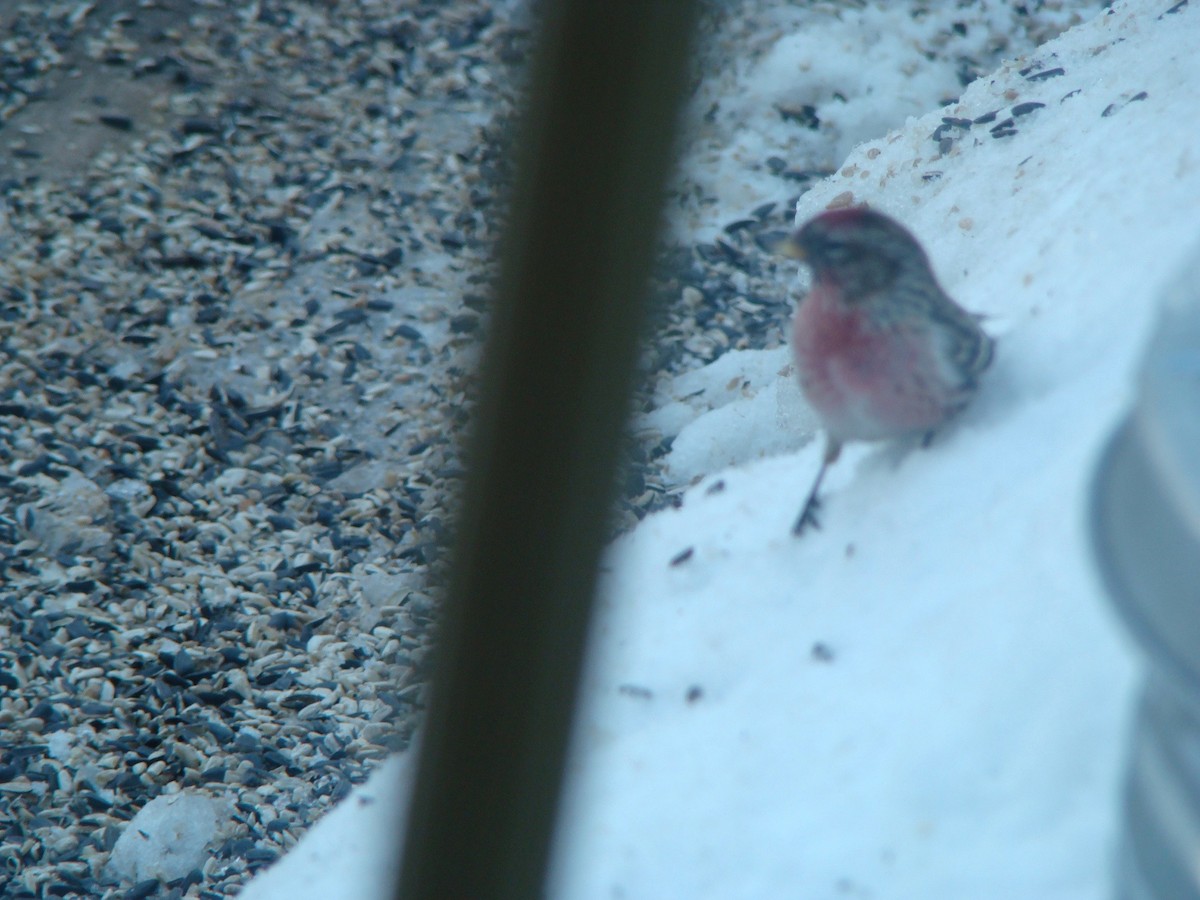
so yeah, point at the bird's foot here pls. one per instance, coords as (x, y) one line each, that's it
(808, 516)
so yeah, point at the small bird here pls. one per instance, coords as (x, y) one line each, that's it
(880, 348)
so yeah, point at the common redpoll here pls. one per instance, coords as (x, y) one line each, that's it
(880, 349)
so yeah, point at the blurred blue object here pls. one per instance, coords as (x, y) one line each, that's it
(1145, 520)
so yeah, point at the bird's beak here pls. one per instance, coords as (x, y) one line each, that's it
(791, 248)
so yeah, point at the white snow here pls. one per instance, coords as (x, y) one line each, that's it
(744, 406)
(168, 837)
(58, 744)
(860, 72)
(928, 697)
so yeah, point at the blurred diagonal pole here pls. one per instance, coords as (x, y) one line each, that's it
(593, 155)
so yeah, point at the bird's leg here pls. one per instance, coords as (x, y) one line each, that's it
(808, 515)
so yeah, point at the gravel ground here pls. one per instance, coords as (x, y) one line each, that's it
(244, 270)
(241, 286)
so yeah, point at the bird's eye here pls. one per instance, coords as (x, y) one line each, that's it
(837, 252)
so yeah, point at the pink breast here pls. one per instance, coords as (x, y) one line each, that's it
(864, 381)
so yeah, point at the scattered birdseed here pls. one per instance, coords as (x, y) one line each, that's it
(1116, 107)
(821, 652)
(683, 556)
(179, 397)
(1045, 74)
